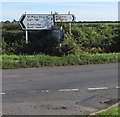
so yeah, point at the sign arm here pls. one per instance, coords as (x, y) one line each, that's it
(21, 21)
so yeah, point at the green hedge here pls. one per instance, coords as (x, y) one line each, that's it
(90, 38)
(28, 61)
(102, 38)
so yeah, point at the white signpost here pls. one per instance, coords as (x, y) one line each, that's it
(43, 21)
(64, 18)
(36, 21)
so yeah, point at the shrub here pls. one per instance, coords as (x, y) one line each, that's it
(90, 38)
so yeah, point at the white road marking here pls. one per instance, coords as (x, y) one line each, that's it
(98, 88)
(75, 89)
(63, 90)
(13, 92)
(117, 87)
(43, 91)
(32, 91)
(2, 93)
(27, 75)
(0, 114)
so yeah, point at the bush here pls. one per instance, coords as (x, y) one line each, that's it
(102, 38)
(89, 38)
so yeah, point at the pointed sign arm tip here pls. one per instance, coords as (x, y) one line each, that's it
(21, 21)
(74, 18)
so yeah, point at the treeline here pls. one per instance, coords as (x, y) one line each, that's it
(98, 22)
(82, 38)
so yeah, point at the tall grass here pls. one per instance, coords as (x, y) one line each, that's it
(114, 112)
(28, 61)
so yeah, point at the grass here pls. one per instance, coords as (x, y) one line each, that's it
(29, 61)
(114, 111)
(111, 112)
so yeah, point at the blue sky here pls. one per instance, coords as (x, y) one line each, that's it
(89, 10)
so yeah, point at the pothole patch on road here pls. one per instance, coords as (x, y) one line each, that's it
(49, 107)
(97, 102)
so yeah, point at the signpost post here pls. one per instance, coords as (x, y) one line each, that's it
(26, 36)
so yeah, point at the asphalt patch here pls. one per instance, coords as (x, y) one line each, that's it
(49, 107)
(97, 102)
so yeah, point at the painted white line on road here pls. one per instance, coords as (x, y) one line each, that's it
(35, 75)
(45, 91)
(2, 93)
(11, 76)
(117, 87)
(32, 91)
(0, 114)
(65, 90)
(98, 88)
(24, 75)
(12, 92)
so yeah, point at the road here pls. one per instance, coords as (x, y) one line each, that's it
(67, 90)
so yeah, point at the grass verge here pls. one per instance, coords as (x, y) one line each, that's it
(29, 61)
(114, 112)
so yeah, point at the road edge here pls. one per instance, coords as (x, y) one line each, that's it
(98, 112)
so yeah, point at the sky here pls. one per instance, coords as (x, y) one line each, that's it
(84, 10)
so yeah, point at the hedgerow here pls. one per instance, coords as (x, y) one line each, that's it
(88, 38)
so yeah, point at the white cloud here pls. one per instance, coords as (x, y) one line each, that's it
(60, 0)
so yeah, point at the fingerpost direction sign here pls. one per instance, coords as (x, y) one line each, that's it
(36, 21)
(64, 18)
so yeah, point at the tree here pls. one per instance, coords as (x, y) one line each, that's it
(7, 21)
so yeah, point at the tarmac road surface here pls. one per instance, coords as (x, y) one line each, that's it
(67, 90)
